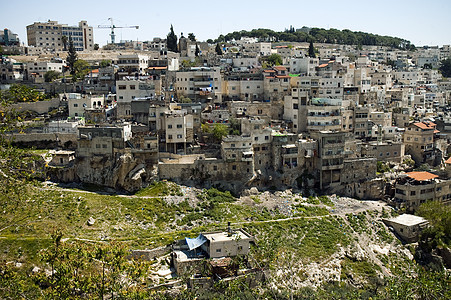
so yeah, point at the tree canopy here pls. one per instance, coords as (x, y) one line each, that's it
(320, 35)
(81, 68)
(274, 60)
(21, 93)
(51, 75)
(192, 37)
(445, 67)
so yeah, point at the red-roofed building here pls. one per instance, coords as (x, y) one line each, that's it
(419, 139)
(416, 188)
(421, 176)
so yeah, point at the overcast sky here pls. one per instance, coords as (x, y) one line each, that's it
(421, 22)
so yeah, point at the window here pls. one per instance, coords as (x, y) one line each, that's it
(104, 146)
(266, 137)
(122, 87)
(234, 167)
(170, 137)
(169, 126)
(215, 168)
(179, 125)
(75, 105)
(179, 136)
(132, 87)
(218, 250)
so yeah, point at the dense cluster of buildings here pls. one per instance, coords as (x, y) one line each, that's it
(233, 120)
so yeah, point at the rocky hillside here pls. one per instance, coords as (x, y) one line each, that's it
(313, 243)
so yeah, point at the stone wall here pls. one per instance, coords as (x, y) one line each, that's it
(149, 254)
(41, 107)
(45, 140)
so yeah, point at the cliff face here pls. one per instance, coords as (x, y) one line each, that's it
(121, 172)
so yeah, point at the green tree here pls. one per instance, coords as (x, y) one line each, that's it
(64, 41)
(311, 50)
(171, 41)
(197, 50)
(105, 63)
(274, 60)
(81, 68)
(445, 67)
(218, 49)
(235, 127)
(192, 37)
(21, 93)
(51, 75)
(96, 47)
(72, 57)
(219, 130)
(439, 216)
(94, 271)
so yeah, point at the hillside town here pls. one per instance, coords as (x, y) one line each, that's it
(316, 154)
(247, 113)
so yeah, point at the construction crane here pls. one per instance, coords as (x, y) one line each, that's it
(112, 26)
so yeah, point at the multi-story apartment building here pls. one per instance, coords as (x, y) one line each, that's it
(11, 70)
(128, 90)
(177, 130)
(78, 103)
(36, 70)
(102, 140)
(419, 141)
(317, 114)
(49, 35)
(329, 157)
(200, 84)
(247, 88)
(416, 188)
(132, 65)
(303, 65)
(258, 48)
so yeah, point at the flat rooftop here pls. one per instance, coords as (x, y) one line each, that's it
(223, 236)
(408, 220)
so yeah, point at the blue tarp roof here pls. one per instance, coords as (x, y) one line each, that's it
(196, 242)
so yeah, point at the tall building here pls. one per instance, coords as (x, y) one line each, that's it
(8, 38)
(49, 35)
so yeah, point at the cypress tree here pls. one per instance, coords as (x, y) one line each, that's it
(171, 41)
(218, 49)
(311, 50)
(72, 57)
